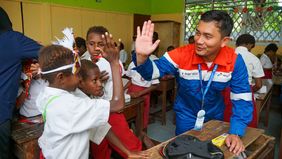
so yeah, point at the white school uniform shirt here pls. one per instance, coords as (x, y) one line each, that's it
(252, 63)
(104, 65)
(137, 79)
(85, 56)
(68, 122)
(122, 56)
(29, 108)
(265, 61)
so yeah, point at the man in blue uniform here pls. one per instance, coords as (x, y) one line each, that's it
(204, 69)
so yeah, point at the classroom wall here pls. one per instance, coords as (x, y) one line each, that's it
(13, 8)
(125, 6)
(167, 6)
(45, 21)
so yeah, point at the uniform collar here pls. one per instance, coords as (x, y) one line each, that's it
(221, 58)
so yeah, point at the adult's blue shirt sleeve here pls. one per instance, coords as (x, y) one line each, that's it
(241, 98)
(29, 48)
(152, 69)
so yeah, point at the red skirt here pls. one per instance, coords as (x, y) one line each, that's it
(267, 74)
(122, 131)
(228, 108)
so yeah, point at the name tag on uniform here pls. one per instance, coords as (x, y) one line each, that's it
(200, 120)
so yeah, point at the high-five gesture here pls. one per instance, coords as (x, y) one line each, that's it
(144, 42)
(111, 52)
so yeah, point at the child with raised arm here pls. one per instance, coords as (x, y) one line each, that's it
(69, 120)
(96, 48)
(91, 85)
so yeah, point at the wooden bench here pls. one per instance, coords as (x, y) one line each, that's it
(166, 84)
(25, 140)
(257, 144)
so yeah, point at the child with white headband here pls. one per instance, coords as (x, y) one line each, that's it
(68, 119)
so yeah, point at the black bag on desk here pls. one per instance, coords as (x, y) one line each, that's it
(186, 146)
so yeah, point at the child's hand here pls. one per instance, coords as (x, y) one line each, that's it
(111, 52)
(34, 68)
(134, 94)
(140, 154)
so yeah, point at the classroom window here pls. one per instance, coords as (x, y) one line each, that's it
(260, 18)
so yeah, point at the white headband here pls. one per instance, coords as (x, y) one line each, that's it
(67, 41)
(59, 69)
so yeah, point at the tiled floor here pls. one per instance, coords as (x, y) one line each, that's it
(161, 133)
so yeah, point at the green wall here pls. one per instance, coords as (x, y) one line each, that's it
(127, 6)
(167, 6)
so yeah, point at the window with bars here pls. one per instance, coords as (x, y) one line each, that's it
(260, 18)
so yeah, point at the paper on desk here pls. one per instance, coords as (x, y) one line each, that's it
(127, 98)
(256, 95)
(263, 89)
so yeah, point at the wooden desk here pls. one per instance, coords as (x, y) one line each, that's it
(264, 101)
(257, 144)
(166, 84)
(25, 140)
(133, 110)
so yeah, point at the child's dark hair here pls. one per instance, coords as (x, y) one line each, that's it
(271, 47)
(79, 41)
(121, 46)
(86, 65)
(97, 30)
(52, 57)
(245, 39)
(169, 48)
(224, 21)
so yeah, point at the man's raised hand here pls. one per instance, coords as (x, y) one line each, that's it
(144, 41)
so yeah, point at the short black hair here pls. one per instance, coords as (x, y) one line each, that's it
(245, 39)
(97, 30)
(224, 21)
(271, 47)
(86, 65)
(121, 46)
(79, 41)
(169, 48)
(155, 36)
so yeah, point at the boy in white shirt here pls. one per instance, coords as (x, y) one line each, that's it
(245, 43)
(91, 85)
(267, 59)
(68, 118)
(96, 48)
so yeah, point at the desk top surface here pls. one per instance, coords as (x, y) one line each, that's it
(23, 132)
(211, 130)
(269, 85)
(134, 101)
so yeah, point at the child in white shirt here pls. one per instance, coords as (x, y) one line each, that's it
(91, 85)
(68, 118)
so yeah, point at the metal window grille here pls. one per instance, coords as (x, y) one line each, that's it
(260, 18)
